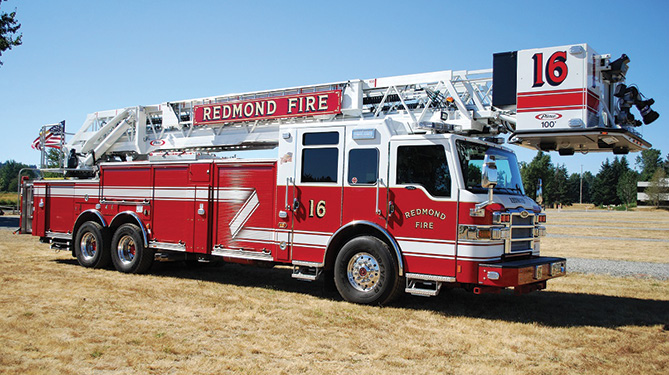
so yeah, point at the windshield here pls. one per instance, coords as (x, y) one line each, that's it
(471, 161)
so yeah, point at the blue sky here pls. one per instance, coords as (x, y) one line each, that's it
(80, 57)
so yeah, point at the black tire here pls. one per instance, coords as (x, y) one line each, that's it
(91, 246)
(365, 272)
(128, 252)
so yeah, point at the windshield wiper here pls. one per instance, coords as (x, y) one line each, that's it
(518, 189)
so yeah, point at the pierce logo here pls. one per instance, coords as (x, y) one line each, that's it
(157, 142)
(548, 116)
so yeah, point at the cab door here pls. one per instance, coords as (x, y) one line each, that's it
(423, 200)
(317, 191)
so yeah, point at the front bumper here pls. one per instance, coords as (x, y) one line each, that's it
(521, 272)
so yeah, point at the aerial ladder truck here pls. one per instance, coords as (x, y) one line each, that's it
(386, 185)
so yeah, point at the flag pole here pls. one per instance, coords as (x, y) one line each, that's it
(42, 141)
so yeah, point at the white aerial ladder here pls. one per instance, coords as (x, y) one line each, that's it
(460, 102)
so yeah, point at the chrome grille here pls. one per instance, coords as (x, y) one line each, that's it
(521, 238)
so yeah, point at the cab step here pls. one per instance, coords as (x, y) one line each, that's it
(425, 285)
(306, 273)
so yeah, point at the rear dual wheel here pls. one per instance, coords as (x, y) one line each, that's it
(128, 252)
(366, 273)
(91, 246)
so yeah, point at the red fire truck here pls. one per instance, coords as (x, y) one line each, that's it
(387, 185)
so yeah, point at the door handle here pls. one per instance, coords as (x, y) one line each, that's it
(378, 186)
(288, 182)
(296, 204)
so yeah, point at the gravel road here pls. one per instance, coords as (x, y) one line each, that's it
(619, 268)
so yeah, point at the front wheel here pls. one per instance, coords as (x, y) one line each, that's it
(128, 252)
(365, 272)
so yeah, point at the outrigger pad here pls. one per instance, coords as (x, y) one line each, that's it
(567, 141)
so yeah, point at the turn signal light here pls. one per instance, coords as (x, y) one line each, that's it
(501, 218)
(541, 218)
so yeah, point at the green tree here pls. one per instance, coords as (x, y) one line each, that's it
(603, 188)
(626, 188)
(560, 185)
(574, 187)
(9, 26)
(648, 161)
(9, 174)
(657, 189)
(53, 158)
(539, 168)
(588, 181)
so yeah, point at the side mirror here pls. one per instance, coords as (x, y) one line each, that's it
(488, 181)
(489, 172)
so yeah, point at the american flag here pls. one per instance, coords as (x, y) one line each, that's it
(53, 137)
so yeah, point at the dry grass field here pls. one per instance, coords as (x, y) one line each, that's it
(57, 317)
(634, 235)
(8, 199)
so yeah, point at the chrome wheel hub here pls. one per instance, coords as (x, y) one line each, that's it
(88, 246)
(126, 249)
(363, 272)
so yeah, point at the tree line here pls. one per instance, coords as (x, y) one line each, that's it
(614, 184)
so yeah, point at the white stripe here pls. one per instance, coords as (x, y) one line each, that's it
(310, 239)
(479, 252)
(202, 194)
(244, 214)
(174, 194)
(250, 234)
(82, 192)
(475, 259)
(425, 240)
(234, 195)
(126, 193)
(422, 247)
(429, 256)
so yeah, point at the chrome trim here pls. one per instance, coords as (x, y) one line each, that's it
(96, 212)
(464, 231)
(126, 249)
(520, 213)
(88, 246)
(363, 272)
(139, 221)
(379, 181)
(58, 235)
(104, 201)
(307, 264)
(396, 247)
(242, 254)
(421, 276)
(167, 246)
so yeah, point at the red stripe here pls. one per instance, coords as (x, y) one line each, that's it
(538, 93)
(593, 102)
(552, 101)
(542, 109)
(549, 108)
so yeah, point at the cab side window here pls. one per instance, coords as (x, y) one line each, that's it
(363, 166)
(319, 158)
(425, 166)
